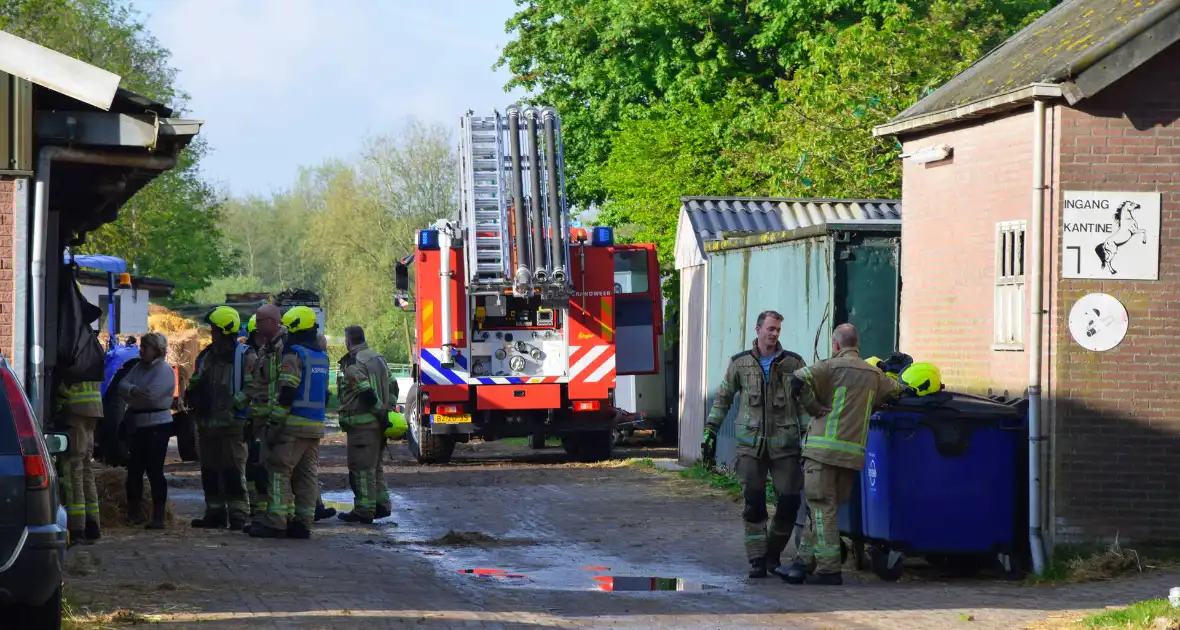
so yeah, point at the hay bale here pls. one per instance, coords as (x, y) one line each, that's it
(112, 498)
(163, 320)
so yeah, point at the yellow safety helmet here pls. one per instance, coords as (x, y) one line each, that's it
(924, 378)
(252, 324)
(873, 361)
(225, 319)
(299, 319)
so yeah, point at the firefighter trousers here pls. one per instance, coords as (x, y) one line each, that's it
(765, 539)
(291, 466)
(365, 447)
(79, 491)
(256, 478)
(826, 487)
(223, 475)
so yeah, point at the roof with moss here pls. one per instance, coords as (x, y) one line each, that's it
(1065, 41)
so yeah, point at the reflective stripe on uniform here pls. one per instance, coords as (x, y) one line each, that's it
(360, 418)
(84, 392)
(832, 444)
(833, 422)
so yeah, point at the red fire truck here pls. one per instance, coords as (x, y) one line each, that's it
(523, 321)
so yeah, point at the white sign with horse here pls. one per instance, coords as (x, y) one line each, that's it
(1111, 235)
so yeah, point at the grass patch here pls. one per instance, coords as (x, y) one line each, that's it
(1078, 564)
(724, 479)
(524, 441)
(1138, 615)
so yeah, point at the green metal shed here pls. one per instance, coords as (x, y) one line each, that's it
(818, 277)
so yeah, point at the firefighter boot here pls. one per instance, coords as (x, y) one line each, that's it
(213, 519)
(93, 532)
(322, 512)
(795, 574)
(258, 530)
(382, 511)
(295, 529)
(825, 579)
(351, 517)
(758, 567)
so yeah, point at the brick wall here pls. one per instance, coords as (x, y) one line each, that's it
(1117, 417)
(7, 227)
(948, 259)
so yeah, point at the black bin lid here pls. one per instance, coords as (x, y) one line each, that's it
(949, 404)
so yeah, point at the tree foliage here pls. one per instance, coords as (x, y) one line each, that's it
(172, 228)
(610, 65)
(341, 226)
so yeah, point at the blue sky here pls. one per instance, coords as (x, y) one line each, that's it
(289, 83)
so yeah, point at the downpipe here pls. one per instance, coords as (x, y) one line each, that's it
(37, 265)
(1036, 318)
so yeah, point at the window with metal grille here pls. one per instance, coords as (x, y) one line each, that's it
(1009, 290)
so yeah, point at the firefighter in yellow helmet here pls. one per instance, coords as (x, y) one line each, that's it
(293, 431)
(216, 393)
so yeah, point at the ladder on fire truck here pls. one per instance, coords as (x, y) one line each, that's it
(484, 195)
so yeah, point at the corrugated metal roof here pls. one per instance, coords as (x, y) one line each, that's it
(1066, 39)
(710, 216)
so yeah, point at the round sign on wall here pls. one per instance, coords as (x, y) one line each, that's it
(1098, 322)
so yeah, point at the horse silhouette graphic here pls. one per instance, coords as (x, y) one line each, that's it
(1124, 216)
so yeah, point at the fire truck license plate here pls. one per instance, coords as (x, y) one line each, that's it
(441, 419)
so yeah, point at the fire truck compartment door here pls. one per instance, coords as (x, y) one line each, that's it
(638, 304)
(524, 396)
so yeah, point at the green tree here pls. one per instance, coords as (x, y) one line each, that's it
(401, 183)
(818, 142)
(606, 63)
(171, 229)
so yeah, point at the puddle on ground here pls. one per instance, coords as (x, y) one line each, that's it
(549, 566)
(342, 500)
(614, 584)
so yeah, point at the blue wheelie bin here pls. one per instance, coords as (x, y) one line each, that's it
(942, 479)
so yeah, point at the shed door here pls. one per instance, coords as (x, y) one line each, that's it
(639, 321)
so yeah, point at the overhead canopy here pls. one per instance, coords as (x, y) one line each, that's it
(61, 73)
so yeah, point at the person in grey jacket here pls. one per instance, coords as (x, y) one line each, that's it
(148, 389)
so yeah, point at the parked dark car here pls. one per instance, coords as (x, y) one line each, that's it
(33, 531)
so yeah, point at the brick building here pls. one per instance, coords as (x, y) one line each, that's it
(1105, 77)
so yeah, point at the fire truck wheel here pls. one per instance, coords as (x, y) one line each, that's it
(432, 449)
(589, 446)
